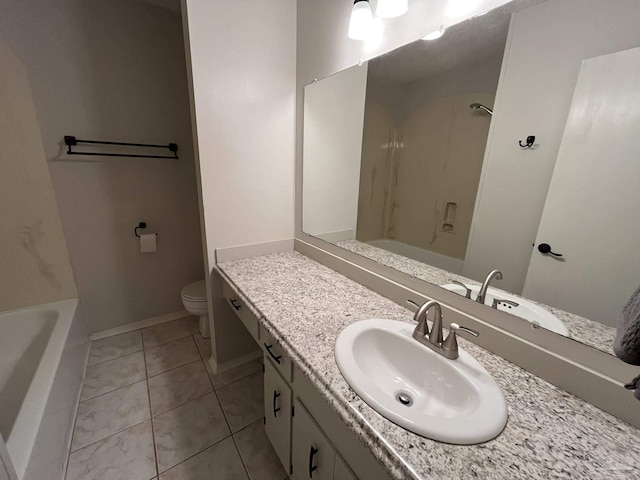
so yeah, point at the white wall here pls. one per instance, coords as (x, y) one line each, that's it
(591, 210)
(333, 126)
(34, 262)
(243, 68)
(242, 56)
(545, 48)
(115, 71)
(323, 47)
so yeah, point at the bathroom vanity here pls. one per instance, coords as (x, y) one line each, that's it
(295, 308)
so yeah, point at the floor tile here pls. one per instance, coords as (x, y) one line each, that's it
(166, 332)
(175, 387)
(204, 346)
(113, 374)
(110, 413)
(242, 401)
(114, 347)
(127, 455)
(171, 355)
(219, 462)
(257, 453)
(188, 429)
(241, 371)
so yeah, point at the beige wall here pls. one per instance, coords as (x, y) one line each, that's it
(34, 263)
(546, 46)
(375, 171)
(439, 161)
(115, 71)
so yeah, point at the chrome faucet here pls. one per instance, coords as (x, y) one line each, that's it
(485, 285)
(447, 348)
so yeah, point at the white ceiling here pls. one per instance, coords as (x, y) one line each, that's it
(479, 39)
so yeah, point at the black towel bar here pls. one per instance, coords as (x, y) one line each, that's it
(71, 141)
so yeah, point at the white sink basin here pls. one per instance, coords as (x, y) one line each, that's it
(452, 401)
(531, 312)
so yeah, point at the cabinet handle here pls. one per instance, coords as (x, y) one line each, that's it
(312, 467)
(275, 397)
(233, 302)
(275, 357)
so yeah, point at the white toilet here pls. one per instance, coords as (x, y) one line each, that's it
(194, 299)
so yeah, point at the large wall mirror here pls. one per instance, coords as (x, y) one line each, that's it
(424, 159)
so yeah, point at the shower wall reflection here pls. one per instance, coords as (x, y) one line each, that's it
(423, 145)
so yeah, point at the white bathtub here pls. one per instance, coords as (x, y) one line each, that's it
(453, 265)
(43, 351)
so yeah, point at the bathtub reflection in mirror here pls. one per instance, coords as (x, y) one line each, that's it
(414, 160)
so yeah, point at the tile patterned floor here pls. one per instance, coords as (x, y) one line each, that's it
(151, 409)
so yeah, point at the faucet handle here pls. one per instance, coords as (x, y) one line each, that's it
(498, 301)
(467, 289)
(470, 331)
(450, 344)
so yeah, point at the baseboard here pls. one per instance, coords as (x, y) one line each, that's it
(223, 367)
(254, 250)
(130, 327)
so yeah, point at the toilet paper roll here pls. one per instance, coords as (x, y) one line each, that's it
(148, 242)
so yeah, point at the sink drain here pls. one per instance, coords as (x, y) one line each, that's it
(405, 399)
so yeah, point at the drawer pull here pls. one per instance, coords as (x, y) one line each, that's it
(233, 302)
(275, 357)
(275, 397)
(312, 467)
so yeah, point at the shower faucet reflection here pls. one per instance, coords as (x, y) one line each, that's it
(479, 106)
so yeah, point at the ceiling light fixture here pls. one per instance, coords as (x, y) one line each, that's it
(391, 8)
(361, 20)
(435, 34)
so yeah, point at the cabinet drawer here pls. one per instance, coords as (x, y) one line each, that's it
(274, 351)
(241, 310)
(277, 413)
(312, 455)
(341, 471)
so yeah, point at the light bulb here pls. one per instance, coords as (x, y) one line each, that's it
(391, 8)
(374, 39)
(361, 20)
(435, 34)
(459, 8)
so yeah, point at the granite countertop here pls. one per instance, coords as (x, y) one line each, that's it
(582, 329)
(550, 433)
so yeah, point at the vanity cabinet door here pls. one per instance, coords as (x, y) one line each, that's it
(277, 412)
(341, 471)
(312, 455)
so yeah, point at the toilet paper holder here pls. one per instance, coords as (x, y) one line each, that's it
(141, 225)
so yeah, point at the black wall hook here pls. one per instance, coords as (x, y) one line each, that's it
(141, 225)
(529, 142)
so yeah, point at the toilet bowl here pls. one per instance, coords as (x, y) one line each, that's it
(194, 299)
